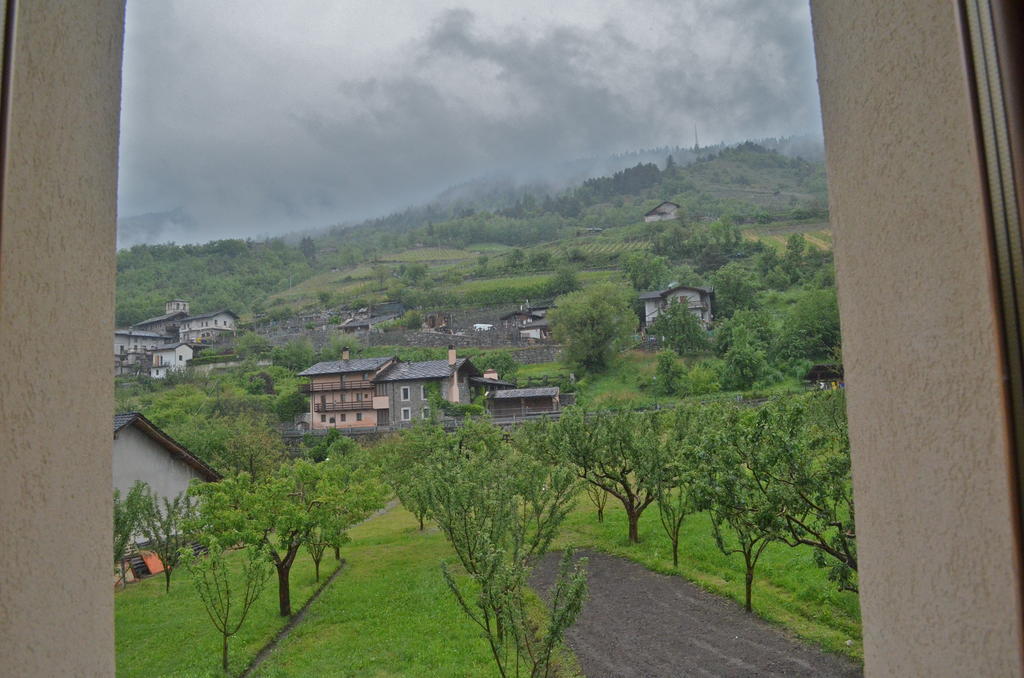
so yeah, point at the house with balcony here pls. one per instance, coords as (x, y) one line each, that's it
(365, 392)
(132, 350)
(207, 327)
(697, 300)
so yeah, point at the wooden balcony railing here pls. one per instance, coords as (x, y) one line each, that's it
(339, 407)
(335, 386)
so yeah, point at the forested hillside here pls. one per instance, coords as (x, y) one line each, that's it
(734, 201)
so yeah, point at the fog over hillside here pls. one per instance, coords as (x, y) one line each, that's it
(248, 119)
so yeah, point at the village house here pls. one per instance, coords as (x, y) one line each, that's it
(207, 327)
(144, 452)
(697, 300)
(364, 392)
(132, 350)
(170, 358)
(663, 212)
(167, 324)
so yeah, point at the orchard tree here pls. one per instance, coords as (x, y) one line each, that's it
(127, 516)
(674, 475)
(616, 453)
(804, 470)
(500, 509)
(163, 523)
(593, 324)
(227, 597)
(743, 520)
(254, 448)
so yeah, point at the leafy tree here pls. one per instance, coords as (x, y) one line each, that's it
(804, 470)
(254, 448)
(501, 362)
(227, 604)
(646, 272)
(674, 473)
(745, 361)
(289, 405)
(500, 509)
(411, 319)
(735, 289)
(811, 327)
(295, 355)
(617, 453)
(756, 323)
(599, 498)
(730, 490)
(127, 516)
(563, 282)
(593, 324)
(163, 523)
(251, 345)
(669, 374)
(680, 329)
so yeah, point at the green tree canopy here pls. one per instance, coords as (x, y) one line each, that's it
(593, 324)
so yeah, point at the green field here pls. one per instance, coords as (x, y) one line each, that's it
(423, 254)
(774, 235)
(169, 634)
(388, 614)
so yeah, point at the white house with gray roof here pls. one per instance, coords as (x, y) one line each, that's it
(697, 300)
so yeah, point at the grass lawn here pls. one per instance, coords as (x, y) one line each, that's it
(389, 613)
(160, 634)
(789, 589)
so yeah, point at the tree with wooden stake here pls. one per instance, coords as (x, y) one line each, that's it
(614, 453)
(500, 510)
(731, 492)
(127, 514)
(227, 603)
(163, 526)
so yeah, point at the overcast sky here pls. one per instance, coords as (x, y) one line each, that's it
(250, 117)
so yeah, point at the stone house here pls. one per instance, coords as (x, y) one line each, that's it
(132, 349)
(167, 324)
(697, 299)
(364, 392)
(663, 212)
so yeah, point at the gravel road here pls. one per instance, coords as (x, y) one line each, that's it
(640, 624)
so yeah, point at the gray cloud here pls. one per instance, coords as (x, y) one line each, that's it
(248, 119)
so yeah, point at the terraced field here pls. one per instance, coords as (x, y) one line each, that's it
(817, 235)
(424, 254)
(603, 247)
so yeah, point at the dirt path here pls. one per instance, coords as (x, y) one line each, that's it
(639, 624)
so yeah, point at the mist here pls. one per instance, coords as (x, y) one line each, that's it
(254, 119)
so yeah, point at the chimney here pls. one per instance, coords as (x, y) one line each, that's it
(344, 353)
(490, 373)
(453, 380)
(451, 355)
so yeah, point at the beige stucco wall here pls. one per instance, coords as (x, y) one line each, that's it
(939, 589)
(57, 233)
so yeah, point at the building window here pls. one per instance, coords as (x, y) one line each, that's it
(406, 414)
(405, 394)
(423, 391)
(359, 416)
(343, 418)
(181, 357)
(426, 413)
(323, 418)
(332, 420)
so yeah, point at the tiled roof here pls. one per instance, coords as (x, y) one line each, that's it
(428, 369)
(345, 366)
(547, 391)
(210, 315)
(122, 420)
(657, 294)
(160, 318)
(483, 381)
